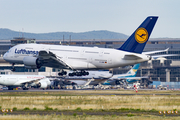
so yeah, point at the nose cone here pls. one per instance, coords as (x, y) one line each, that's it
(109, 75)
(5, 56)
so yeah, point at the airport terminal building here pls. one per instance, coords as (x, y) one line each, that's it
(166, 69)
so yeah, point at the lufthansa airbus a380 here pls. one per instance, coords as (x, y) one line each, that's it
(33, 56)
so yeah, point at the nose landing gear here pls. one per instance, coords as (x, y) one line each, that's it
(13, 69)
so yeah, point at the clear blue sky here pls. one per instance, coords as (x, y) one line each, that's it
(123, 16)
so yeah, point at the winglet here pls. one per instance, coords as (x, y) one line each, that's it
(137, 41)
(167, 49)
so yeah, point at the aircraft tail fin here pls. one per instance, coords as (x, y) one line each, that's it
(133, 71)
(137, 41)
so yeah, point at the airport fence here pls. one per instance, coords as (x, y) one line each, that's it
(168, 85)
(171, 85)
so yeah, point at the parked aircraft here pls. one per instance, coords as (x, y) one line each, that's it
(106, 78)
(96, 77)
(33, 56)
(128, 78)
(24, 81)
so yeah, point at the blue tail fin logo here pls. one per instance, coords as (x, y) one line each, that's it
(137, 41)
(134, 69)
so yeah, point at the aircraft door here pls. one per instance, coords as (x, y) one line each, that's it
(110, 61)
(64, 58)
(101, 53)
(90, 60)
(5, 80)
(82, 51)
(2, 79)
(42, 47)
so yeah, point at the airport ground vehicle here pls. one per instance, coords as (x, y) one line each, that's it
(160, 87)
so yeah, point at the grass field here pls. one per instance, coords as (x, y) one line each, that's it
(87, 100)
(64, 100)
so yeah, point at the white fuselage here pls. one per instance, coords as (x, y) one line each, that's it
(18, 80)
(77, 58)
(119, 76)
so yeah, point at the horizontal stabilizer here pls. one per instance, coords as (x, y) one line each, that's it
(165, 55)
(152, 52)
(132, 78)
(131, 57)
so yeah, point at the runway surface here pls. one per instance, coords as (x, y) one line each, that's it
(92, 112)
(102, 92)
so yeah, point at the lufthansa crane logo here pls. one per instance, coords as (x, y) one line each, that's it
(141, 35)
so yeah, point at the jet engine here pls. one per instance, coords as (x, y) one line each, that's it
(44, 83)
(31, 62)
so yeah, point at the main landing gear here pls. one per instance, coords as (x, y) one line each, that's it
(82, 73)
(62, 73)
(13, 69)
(25, 86)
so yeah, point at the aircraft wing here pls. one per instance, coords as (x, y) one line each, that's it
(166, 55)
(49, 59)
(131, 78)
(31, 81)
(152, 52)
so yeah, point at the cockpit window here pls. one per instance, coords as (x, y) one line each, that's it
(9, 51)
